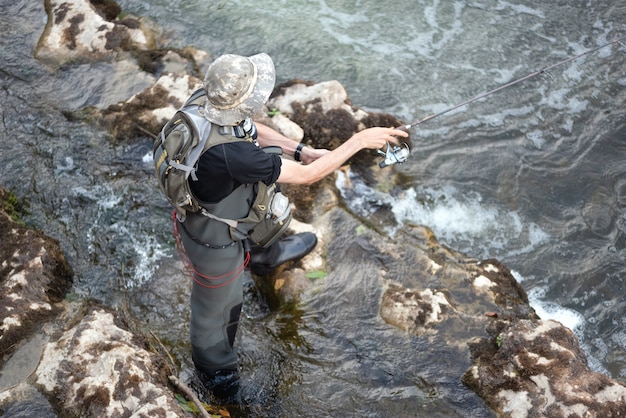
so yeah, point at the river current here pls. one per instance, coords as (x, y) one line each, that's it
(534, 175)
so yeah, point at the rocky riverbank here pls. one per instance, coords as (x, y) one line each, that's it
(70, 357)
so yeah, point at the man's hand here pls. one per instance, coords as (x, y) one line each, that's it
(308, 154)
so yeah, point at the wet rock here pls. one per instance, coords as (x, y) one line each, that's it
(24, 400)
(323, 110)
(535, 368)
(34, 278)
(145, 113)
(80, 31)
(286, 126)
(430, 284)
(99, 368)
(327, 117)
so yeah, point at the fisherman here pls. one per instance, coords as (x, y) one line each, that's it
(235, 89)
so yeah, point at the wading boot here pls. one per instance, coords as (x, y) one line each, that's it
(223, 385)
(293, 247)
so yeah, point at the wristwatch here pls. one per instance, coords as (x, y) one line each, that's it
(298, 153)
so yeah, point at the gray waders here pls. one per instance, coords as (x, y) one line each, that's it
(217, 292)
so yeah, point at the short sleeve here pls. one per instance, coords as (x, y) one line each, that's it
(225, 167)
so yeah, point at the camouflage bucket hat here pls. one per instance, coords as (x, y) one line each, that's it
(237, 87)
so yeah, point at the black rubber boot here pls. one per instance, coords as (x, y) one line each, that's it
(223, 385)
(285, 249)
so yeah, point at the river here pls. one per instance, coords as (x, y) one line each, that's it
(534, 175)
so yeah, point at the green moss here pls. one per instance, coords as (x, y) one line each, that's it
(12, 206)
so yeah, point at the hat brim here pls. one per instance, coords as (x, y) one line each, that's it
(266, 78)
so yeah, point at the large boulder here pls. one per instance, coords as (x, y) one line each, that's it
(98, 368)
(80, 30)
(534, 368)
(34, 277)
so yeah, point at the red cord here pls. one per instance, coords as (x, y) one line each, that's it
(190, 269)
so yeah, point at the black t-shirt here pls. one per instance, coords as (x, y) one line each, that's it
(225, 167)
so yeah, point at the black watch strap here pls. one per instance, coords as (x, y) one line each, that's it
(297, 155)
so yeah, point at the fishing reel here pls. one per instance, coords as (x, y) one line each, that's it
(396, 155)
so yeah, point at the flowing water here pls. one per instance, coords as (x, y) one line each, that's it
(534, 175)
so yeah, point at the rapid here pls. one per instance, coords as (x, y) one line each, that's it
(534, 175)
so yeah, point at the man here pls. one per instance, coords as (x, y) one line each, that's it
(236, 88)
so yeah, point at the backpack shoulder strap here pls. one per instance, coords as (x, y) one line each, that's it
(197, 98)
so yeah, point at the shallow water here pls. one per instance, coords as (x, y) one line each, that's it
(533, 175)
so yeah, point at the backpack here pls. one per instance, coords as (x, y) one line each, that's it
(176, 152)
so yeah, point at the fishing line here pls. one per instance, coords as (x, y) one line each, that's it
(511, 83)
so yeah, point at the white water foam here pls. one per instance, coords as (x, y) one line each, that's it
(147, 159)
(549, 310)
(465, 222)
(571, 319)
(460, 220)
(144, 248)
(148, 251)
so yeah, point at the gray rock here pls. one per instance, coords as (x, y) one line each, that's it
(99, 368)
(535, 368)
(78, 31)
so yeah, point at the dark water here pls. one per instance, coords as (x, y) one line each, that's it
(534, 175)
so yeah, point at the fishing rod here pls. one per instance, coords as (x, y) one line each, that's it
(519, 80)
(399, 154)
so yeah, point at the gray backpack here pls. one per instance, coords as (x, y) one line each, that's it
(176, 153)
